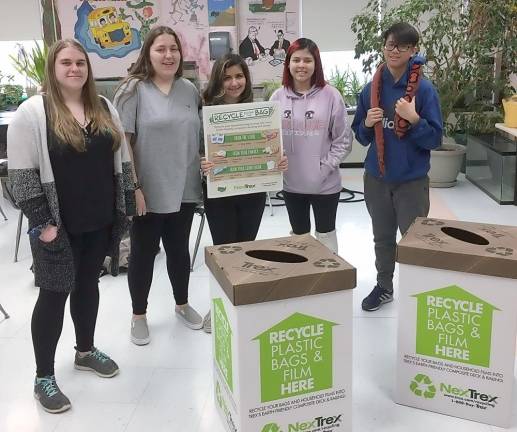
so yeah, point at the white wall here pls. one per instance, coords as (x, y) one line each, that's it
(328, 22)
(21, 20)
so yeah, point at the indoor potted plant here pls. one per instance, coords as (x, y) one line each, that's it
(11, 95)
(348, 84)
(460, 41)
(32, 65)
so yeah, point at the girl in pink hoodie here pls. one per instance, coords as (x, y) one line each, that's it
(317, 138)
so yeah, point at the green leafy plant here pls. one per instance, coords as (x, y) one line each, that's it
(31, 64)
(348, 84)
(10, 94)
(460, 40)
(269, 88)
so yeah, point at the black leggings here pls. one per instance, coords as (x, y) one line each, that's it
(146, 231)
(89, 250)
(323, 206)
(235, 218)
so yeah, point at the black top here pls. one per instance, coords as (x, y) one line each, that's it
(84, 181)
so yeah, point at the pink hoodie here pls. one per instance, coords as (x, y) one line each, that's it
(316, 138)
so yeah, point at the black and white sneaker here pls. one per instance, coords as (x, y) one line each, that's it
(377, 298)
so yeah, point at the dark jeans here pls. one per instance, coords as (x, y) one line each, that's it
(392, 206)
(89, 250)
(323, 206)
(235, 218)
(146, 231)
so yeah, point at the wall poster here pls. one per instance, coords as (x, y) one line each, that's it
(112, 32)
(266, 28)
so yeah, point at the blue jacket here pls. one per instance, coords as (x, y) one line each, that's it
(407, 158)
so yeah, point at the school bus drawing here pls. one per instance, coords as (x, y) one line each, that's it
(107, 29)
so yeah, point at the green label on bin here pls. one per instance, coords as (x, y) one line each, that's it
(455, 325)
(223, 341)
(295, 357)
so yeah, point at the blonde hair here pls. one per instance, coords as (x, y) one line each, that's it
(62, 121)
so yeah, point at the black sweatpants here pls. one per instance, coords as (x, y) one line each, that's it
(146, 231)
(323, 206)
(235, 218)
(89, 250)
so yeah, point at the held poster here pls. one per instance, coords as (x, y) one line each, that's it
(244, 141)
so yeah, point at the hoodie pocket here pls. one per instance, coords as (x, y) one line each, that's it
(304, 174)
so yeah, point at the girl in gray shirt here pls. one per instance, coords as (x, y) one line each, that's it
(160, 113)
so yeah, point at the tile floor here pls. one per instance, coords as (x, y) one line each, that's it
(166, 386)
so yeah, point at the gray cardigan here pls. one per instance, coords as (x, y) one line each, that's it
(34, 189)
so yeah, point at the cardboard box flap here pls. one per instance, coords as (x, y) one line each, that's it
(469, 247)
(276, 269)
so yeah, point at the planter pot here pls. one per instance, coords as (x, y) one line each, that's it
(446, 164)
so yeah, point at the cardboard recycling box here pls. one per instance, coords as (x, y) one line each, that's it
(457, 319)
(282, 335)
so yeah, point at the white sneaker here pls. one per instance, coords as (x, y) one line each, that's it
(207, 323)
(188, 315)
(140, 331)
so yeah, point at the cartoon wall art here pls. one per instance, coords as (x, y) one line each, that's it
(266, 29)
(103, 30)
(221, 13)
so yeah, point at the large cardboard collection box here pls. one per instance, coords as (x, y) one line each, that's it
(458, 319)
(282, 335)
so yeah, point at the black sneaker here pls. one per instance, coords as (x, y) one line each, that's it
(98, 362)
(377, 298)
(50, 396)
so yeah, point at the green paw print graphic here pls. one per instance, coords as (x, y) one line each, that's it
(423, 386)
(271, 427)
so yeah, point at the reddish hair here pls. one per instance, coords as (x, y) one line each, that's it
(317, 78)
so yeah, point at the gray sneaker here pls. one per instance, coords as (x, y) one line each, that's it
(207, 323)
(189, 317)
(140, 331)
(50, 396)
(98, 362)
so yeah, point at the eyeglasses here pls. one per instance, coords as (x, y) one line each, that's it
(390, 46)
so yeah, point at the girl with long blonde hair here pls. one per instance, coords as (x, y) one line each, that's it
(72, 178)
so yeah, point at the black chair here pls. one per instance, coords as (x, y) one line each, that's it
(3, 173)
(8, 195)
(200, 211)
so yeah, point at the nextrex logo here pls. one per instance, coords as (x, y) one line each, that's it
(312, 424)
(467, 393)
(271, 427)
(422, 386)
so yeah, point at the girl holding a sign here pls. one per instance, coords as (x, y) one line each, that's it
(234, 218)
(316, 139)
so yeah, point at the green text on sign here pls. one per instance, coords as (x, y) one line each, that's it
(295, 357)
(455, 325)
(223, 341)
(256, 136)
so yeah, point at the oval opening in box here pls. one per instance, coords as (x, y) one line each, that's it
(276, 256)
(465, 236)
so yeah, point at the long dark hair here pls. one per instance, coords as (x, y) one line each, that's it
(142, 69)
(214, 92)
(317, 78)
